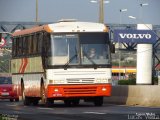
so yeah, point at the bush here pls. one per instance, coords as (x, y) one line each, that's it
(122, 82)
(127, 82)
(155, 80)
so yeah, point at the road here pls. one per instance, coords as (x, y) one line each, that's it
(85, 111)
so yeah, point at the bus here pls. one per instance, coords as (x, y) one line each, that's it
(51, 62)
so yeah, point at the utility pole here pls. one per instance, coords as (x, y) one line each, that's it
(101, 11)
(36, 11)
(101, 8)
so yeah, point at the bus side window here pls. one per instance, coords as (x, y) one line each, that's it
(19, 46)
(35, 44)
(39, 40)
(14, 47)
(30, 44)
(25, 44)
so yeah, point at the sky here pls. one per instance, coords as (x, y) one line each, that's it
(82, 10)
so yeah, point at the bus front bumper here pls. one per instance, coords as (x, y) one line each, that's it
(67, 91)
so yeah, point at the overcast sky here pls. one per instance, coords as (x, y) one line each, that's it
(82, 10)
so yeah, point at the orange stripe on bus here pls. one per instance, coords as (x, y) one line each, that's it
(24, 62)
(21, 66)
(24, 65)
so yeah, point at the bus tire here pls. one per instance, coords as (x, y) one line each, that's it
(75, 102)
(49, 103)
(98, 101)
(35, 102)
(22, 90)
(42, 92)
(67, 103)
(27, 101)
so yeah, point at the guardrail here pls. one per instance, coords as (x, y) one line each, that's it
(142, 95)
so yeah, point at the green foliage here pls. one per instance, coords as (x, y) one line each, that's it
(155, 80)
(132, 76)
(130, 63)
(131, 80)
(123, 82)
(127, 82)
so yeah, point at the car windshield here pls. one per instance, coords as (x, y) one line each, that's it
(5, 80)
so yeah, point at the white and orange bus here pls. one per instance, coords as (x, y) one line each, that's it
(52, 62)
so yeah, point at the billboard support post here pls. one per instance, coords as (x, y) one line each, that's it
(144, 60)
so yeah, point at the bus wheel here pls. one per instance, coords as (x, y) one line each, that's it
(98, 101)
(49, 102)
(26, 101)
(35, 102)
(22, 90)
(75, 102)
(42, 92)
(67, 103)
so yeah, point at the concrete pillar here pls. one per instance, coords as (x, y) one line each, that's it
(144, 59)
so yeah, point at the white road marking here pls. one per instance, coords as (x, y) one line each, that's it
(45, 108)
(12, 105)
(94, 113)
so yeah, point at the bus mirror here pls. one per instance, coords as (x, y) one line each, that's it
(0, 37)
(112, 48)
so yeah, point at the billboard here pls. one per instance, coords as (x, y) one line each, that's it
(135, 36)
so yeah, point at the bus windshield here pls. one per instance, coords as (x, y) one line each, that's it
(79, 49)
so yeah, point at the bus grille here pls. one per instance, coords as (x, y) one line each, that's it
(80, 90)
(80, 80)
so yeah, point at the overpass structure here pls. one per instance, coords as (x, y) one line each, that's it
(13, 26)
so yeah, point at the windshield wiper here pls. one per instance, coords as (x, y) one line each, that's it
(69, 61)
(95, 65)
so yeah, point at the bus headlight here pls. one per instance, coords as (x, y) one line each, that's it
(104, 80)
(61, 81)
(98, 81)
(56, 81)
(101, 80)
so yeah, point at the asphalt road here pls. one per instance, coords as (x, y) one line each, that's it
(85, 111)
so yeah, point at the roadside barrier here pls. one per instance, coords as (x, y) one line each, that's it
(142, 95)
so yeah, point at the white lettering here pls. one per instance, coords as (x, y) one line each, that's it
(141, 36)
(135, 36)
(122, 35)
(148, 36)
(129, 36)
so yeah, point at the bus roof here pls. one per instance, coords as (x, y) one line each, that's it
(64, 26)
(32, 30)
